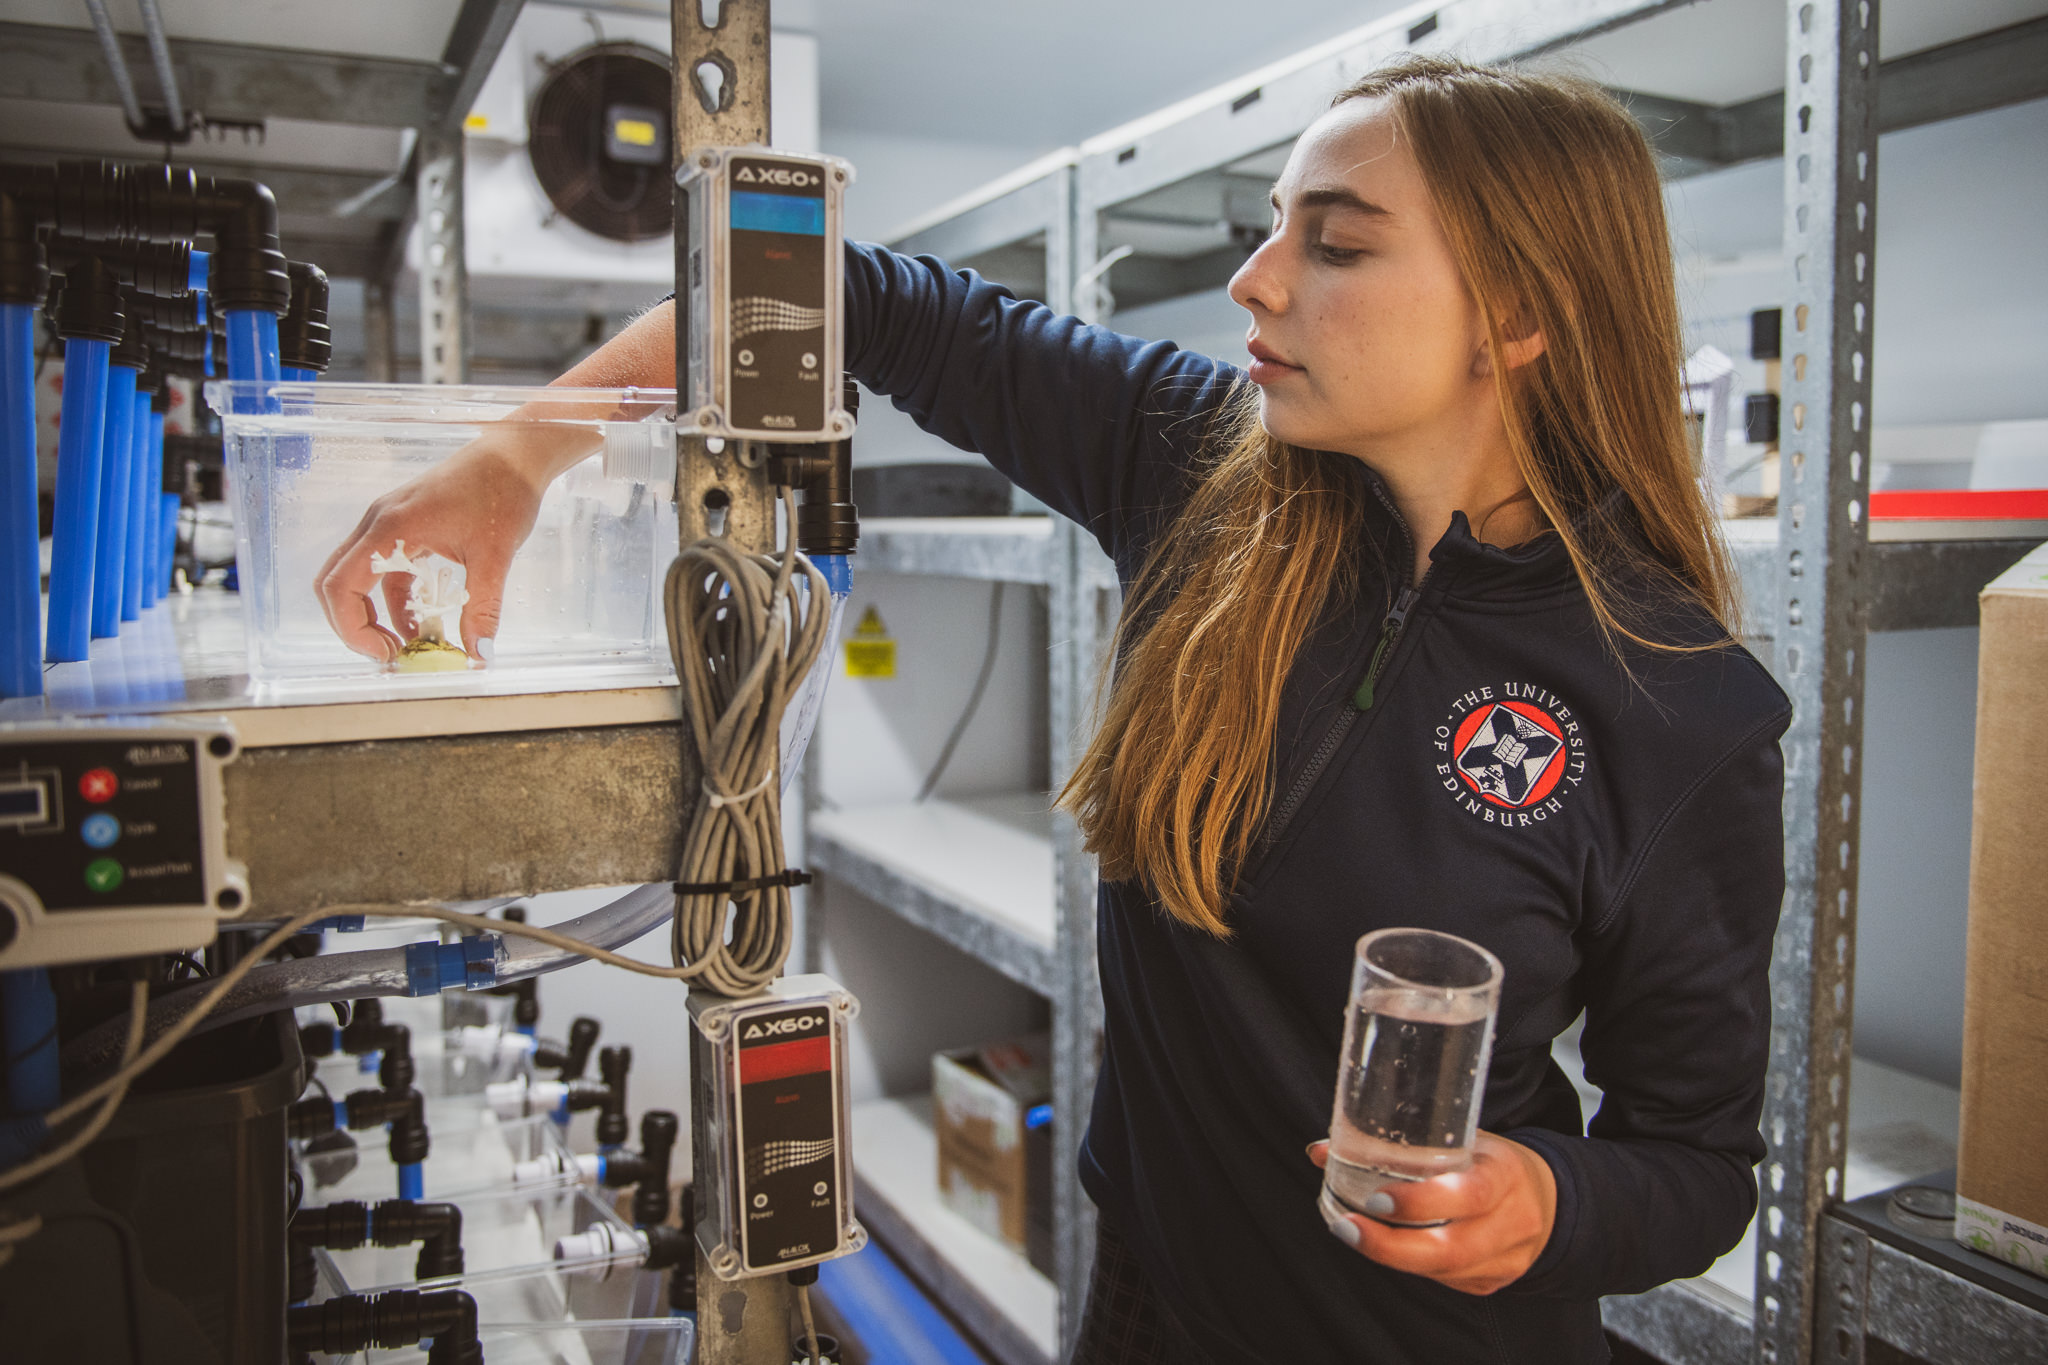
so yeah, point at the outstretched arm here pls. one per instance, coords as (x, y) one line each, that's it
(477, 507)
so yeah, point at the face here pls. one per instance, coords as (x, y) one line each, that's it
(1364, 338)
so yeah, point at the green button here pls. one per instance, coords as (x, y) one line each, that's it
(103, 874)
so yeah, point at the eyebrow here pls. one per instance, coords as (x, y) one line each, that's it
(1335, 196)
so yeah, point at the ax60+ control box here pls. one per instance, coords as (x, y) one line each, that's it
(774, 1175)
(113, 839)
(760, 281)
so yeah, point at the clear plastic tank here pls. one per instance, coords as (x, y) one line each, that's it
(582, 600)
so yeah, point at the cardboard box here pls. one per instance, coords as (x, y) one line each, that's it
(991, 1106)
(2002, 1173)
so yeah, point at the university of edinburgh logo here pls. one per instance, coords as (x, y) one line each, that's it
(1510, 754)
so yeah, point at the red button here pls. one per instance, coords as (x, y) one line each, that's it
(99, 785)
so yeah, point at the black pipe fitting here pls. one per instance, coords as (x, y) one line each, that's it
(349, 1223)
(396, 1071)
(131, 350)
(163, 269)
(399, 1317)
(682, 1278)
(89, 305)
(568, 1061)
(668, 1247)
(319, 1040)
(404, 1110)
(647, 1169)
(827, 522)
(150, 380)
(180, 350)
(27, 197)
(304, 340)
(612, 1065)
(366, 1017)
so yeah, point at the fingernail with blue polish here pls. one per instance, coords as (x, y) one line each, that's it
(1347, 1232)
(1379, 1204)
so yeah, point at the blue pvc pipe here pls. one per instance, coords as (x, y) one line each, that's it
(28, 1025)
(195, 278)
(151, 512)
(21, 585)
(252, 356)
(166, 569)
(206, 349)
(77, 523)
(295, 375)
(888, 1315)
(132, 511)
(412, 1183)
(117, 473)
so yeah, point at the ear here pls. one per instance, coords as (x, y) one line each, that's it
(1522, 342)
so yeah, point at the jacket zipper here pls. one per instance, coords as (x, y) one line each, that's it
(1391, 628)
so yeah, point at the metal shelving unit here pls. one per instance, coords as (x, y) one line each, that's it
(347, 195)
(1185, 189)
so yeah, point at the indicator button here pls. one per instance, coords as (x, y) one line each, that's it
(809, 361)
(99, 785)
(100, 830)
(103, 874)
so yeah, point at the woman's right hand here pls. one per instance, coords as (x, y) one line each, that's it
(475, 508)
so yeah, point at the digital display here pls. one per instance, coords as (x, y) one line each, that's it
(756, 212)
(23, 802)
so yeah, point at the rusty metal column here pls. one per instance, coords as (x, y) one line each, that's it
(1830, 244)
(721, 94)
(444, 267)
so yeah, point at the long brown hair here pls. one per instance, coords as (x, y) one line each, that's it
(1550, 197)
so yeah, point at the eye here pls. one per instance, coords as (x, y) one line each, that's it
(1337, 255)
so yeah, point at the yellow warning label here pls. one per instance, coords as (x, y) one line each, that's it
(476, 123)
(870, 653)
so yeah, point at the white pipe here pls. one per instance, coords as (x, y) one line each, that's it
(117, 65)
(160, 53)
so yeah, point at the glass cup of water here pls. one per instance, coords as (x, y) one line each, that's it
(1418, 1035)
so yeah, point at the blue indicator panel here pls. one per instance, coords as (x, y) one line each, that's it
(756, 212)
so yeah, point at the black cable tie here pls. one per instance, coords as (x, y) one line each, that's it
(790, 876)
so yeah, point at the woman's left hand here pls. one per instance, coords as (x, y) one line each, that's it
(1500, 1209)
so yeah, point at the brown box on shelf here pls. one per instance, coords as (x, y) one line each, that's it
(2001, 1177)
(991, 1106)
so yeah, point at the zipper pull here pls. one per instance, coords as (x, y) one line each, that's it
(1390, 631)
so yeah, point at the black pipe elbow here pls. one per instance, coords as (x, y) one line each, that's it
(246, 270)
(668, 1248)
(305, 342)
(27, 199)
(658, 1130)
(436, 1227)
(311, 1118)
(399, 1317)
(131, 350)
(569, 1060)
(404, 1110)
(396, 1071)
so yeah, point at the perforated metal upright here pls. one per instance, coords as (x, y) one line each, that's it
(1830, 241)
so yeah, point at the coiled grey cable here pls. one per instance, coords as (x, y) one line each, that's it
(743, 637)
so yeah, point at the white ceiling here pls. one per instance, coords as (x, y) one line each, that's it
(414, 29)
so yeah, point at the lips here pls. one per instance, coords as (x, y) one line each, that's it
(1267, 366)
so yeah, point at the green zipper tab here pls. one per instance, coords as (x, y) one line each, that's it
(1390, 631)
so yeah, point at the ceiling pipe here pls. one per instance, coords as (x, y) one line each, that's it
(160, 54)
(117, 65)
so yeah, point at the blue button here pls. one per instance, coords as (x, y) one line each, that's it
(100, 830)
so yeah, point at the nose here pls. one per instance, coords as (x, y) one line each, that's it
(1257, 286)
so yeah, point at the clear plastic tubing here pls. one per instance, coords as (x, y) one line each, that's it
(21, 643)
(76, 527)
(134, 514)
(151, 507)
(116, 474)
(802, 716)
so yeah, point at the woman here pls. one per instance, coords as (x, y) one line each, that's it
(1427, 624)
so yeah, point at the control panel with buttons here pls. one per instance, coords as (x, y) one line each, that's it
(113, 839)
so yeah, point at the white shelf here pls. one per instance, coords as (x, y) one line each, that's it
(976, 871)
(1011, 549)
(1012, 1308)
(188, 655)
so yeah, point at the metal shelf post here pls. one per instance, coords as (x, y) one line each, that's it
(1830, 240)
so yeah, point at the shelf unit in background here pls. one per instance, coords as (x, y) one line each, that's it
(1186, 190)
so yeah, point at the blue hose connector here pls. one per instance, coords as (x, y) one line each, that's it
(838, 571)
(75, 533)
(412, 1182)
(294, 374)
(253, 357)
(21, 575)
(470, 964)
(150, 507)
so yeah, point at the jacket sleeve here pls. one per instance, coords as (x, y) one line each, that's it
(1099, 426)
(1678, 1025)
